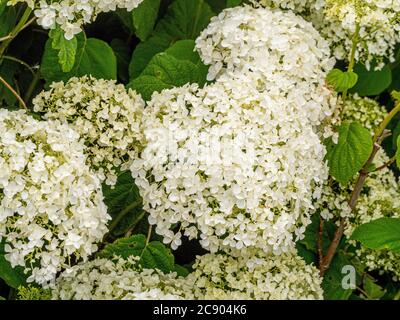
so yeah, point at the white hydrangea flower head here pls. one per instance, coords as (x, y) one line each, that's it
(119, 279)
(380, 196)
(230, 165)
(271, 43)
(379, 22)
(283, 51)
(71, 15)
(51, 203)
(255, 276)
(106, 116)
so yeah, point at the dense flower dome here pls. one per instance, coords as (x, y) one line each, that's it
(337, 21)
(71, 15)
(283, 51)
(106, 116)
(119, 279)
(51, 203)
(235, 168)
(272, 43)
(255, 276)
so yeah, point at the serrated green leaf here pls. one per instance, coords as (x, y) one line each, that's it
(8, 18)
(3, 5)
(395, 95)
(66, 48)
(153, 255)
(372, 83)
(353, 149)
(144, 18)
(93, 57)
(165, 71)
(233, 3)
(14, 277)
(342, 81)
(308, 256)
(332, 281)
(181, 271)
(123, 199)
(379, 234)
(373, 290)
(185, 19)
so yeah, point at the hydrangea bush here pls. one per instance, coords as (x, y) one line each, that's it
(199, 149)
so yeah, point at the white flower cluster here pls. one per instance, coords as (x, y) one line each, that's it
(103, 279)
(51, 203)
(337, 20)
(71, 15)
(238, 163)
(282, 50)
(106, 116)
(380, 196)
(255, 276)
(236, 168)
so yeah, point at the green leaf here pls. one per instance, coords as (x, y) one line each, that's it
(3, 5)
(8, 17)
(181, 271)
(66, 48)
(14, 277)
(123, 55)
(185, 19)
(372, 83)
(144, 18)
(2, 298)
(152, 255)
(308, 256)
(349, 155)
(165, 71)
(8, 69)
(342, 81)
(93, 57)
(332, 282)
(373, 291)
(395, 95)
(233, 3)
(123, 199)
(379, 234)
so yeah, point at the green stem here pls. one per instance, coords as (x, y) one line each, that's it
(122, 214)
(20, 62)
(386, 122)
(352, 60)
(17, 29)
(149, 234)
(32, 86)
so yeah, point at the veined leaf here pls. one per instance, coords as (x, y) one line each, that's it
(379, 234)
(66, 48)
(185, 19)
(144, 18)
(371, 82)
(349, 155)
(93, 57)
(342, 81)
(152, 255)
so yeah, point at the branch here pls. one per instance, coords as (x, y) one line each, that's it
(326, 261)
(21, 101)
(319, 242)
